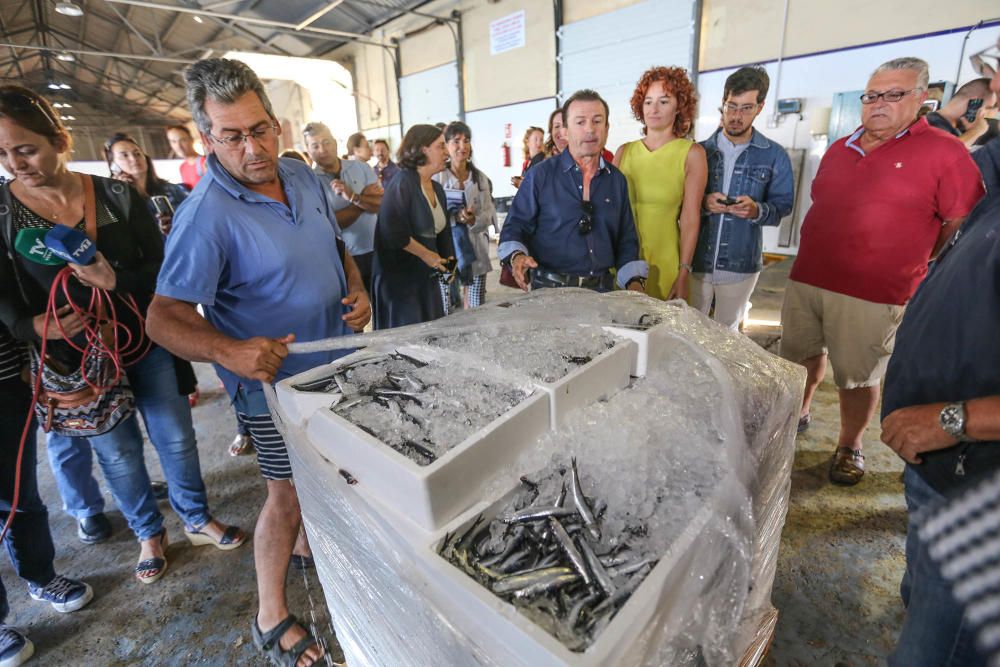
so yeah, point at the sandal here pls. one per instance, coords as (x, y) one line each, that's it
(232, 537)
(847, 467)
(242, 445)
(151, 569)
(302, 562)
(268, 642)
(804, 422)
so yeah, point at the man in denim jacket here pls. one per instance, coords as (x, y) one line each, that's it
(749, 186)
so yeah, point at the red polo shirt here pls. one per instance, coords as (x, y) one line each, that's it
(192, 173)
(875, 218)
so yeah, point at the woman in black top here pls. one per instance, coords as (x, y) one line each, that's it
(129, 163)
(412, 238)
(34, 147)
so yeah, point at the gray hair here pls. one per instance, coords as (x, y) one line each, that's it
(316, 127)
(916, 64)
(220, 80)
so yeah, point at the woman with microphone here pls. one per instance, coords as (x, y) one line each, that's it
(34, 148)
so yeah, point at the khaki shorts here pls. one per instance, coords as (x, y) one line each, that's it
(858, 335)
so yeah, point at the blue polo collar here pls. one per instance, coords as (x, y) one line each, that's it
(237, 190)
(566, 162)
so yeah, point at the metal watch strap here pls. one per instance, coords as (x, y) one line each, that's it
(952, 419)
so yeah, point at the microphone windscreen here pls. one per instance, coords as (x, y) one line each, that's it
(70, 244)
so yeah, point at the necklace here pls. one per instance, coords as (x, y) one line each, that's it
(37, 202)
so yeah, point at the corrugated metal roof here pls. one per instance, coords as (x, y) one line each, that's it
(108, 90)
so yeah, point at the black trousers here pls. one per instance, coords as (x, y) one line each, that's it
(29, 542)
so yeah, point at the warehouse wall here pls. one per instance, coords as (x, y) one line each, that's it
(815, 79)
(736, 32)
(513, 77)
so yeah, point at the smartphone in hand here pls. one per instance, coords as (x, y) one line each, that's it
(728, 201)
(162, 205)
(973, 109)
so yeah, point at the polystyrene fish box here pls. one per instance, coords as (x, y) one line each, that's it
(659, 594)
(428, 495)
(644, 340)
(599, 378)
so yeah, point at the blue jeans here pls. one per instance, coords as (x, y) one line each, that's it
(935, 632)
(167, 416)
(29, 542)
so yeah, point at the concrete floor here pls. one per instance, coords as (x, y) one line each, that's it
(836, 589)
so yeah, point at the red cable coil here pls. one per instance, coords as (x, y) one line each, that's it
(93, 318)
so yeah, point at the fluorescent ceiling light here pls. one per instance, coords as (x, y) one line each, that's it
(68, 9)
(65, 57)
(53, 86)
(198, 19)
(64, 86)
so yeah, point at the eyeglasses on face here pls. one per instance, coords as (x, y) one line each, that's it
(734, 110)
(586, 223)
(237, 139)
(889, 95)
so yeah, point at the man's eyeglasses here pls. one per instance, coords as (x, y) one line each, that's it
(734, 110)
(889, 95)
(235, 141)
(586, 218)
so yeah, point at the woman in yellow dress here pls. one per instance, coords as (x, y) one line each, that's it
(666, 173)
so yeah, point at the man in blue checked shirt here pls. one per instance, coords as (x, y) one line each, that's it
(570, 224)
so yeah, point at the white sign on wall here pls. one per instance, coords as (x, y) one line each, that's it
(507, 33)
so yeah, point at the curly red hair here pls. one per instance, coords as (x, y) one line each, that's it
(677, 83)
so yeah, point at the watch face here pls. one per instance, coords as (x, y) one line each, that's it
(953, 420)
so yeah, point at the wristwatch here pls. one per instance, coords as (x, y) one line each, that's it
(638, 279)
(356, 200)
(953, 420)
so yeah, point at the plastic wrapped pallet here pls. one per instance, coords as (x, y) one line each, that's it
(700, 449)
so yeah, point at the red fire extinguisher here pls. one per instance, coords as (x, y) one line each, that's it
(505, 154)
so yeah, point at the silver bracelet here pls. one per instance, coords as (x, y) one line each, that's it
(685, 265)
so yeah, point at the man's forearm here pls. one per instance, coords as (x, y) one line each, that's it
(353, 275)
(177, 327)
(371, 202)
(348, 216)
(948, 230)
(982, 418)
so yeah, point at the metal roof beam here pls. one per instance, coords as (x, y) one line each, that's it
(252, 20)
(134, 30)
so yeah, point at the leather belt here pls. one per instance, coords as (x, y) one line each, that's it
(542, 278)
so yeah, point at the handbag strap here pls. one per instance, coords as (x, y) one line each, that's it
(89, 207)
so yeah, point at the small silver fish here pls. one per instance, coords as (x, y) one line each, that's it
(600, 574)
(539, 513)
(581, 504)
(575, 557)
(540, 581)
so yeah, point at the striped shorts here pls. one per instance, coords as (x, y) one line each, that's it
(252, 414)
(272, 457)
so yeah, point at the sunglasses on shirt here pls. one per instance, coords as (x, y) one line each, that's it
(586, 223)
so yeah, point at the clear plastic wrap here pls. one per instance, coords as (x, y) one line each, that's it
(692, 463)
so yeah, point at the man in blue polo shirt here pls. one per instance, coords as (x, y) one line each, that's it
(255, 245)
(356, 195)
(571, 222)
